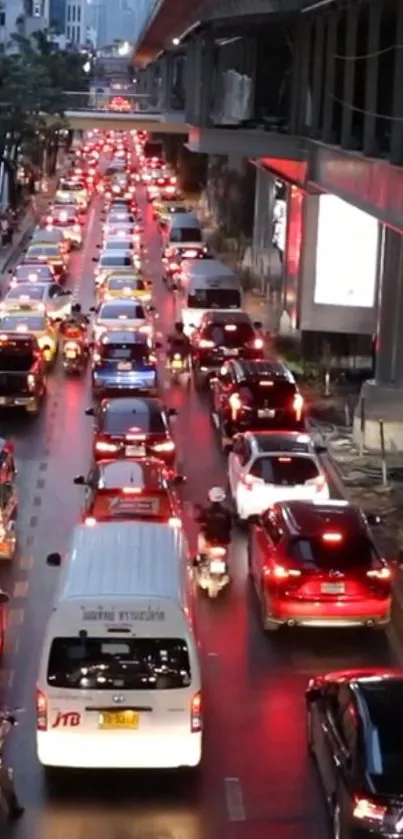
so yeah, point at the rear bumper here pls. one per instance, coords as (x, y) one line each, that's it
(338, 614)
(19, 401)
(104, 389)
(118, 750)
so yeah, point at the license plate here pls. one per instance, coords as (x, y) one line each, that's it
(124, 365)
(135, 451)
(227, 351)
(266, 413)
(6, 400)
(177, 365)
(118, 721)
(217, 566)
(70, 353)
(333, 588)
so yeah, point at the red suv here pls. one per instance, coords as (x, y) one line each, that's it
(316, 564)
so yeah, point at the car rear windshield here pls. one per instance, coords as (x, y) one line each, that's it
(120, 283)
(139, 353)
(119, 261)
(23, 323)
(129, 310)
(16, 357)
(115, 244)
(185, 234)
(121, 422)
(268, 393)
(384, 701)
(229, 335)
(33, 292)
(215, 298)
(350, 552)
(33, 272)
(119, 664)
(284, 470)
(71, 186)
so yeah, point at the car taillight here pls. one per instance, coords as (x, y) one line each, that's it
(247, 481)
(31, 381)
(173, 266)
(280, 572)
(382, 574)
(168, 446)
(367, 810)
(90, 521)
(217, 551)
(205, 344)
(235, 403)
(49, 220)
(298, 404)
(196, 718)
(41, 711)
(175, 522)
(258, 344)
(101, 446)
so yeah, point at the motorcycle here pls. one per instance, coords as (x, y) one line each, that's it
(211, 570)
(73, 356)
(179, 368)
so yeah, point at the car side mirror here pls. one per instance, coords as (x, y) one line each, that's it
(98, 246)
(374, 519)
(258, 324)
(92, 309)
(95, 259)
(172, 412)
(178, 479)
(4, 598)
(54, 560)
(89, 412)
(194, 562)
(151, 308)
(79, 480)
(158, 345)
(320, 449)
(255, 520)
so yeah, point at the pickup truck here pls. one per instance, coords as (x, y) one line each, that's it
(22, 372)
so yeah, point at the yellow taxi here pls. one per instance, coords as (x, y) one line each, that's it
(118, 285)
(34, 323)
(51, 254)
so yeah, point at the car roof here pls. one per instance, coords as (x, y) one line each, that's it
(119, 252)
(23, 337)
(312, 518)
(362, 674)
(121, 304)
(124, 404)
(260, 369)
(225, 317)
(34, 267)
(23, 289)
(144, 474)
(267, 442)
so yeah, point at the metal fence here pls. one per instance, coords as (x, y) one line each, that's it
(96, 101)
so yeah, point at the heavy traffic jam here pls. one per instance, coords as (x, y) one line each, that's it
(120, 681)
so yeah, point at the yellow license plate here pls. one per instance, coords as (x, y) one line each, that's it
(118, 720)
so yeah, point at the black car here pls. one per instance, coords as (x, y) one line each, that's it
(124, 362)
(354, 729)
(249, 395)
(223, 335)
(133, 427)
(22, 372)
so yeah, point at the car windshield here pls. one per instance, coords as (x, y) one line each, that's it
(112, 505)
(268, 393)
(43, 250)
(118, 260)
(32, 273)
(16, 356)
(121, 421)
(29, 323)
(185, 234)
(129, 311)
(352, 551)
(119, 353)
(384, 701)
(215, 298)
(119, 663)
(120, 283)
(71, 186)
(229, 334)
(284, 470)
(25, 293)
(115, 244)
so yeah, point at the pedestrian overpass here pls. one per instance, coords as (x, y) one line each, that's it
(89, 110)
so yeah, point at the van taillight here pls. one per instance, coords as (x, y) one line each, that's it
(298, 406)
(196, 717)
(41, 711)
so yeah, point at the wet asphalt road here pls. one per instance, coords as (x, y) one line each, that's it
(256, 779)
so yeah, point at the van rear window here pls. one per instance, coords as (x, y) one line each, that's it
(214, 298)
(119, 664)
(185, 234)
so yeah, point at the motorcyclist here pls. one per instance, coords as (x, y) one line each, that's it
(7, 787)
(178, 342)
(75, 327)
(215, 523)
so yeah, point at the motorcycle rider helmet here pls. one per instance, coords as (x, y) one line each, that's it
(179, 326)
(216, 495)
(76, 309)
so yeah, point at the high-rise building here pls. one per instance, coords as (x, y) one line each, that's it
(76, 24)
(57, 16)
(122, 20)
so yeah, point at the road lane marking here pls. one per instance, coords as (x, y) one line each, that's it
(26, 563)
(234, 800)
(21, 588)
(15, 618)
(10, 679)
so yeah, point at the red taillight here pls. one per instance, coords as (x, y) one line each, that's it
(196, 718)
(258, 344)
(205, 344)
(41, 711)
(368, 810)
(382, 574)
(168, 446)
(279, 573)
(235, 403)
(105, 447)
(298, 405)
(173, 266)
(90, 521)
(49, 220)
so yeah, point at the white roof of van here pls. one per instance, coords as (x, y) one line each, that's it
(184, 220)
(206, 268)
(124, 559)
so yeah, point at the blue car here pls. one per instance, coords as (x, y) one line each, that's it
(124, 363)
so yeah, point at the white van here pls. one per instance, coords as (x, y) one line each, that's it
(207, 285)
(184, 230)
(119, 681)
